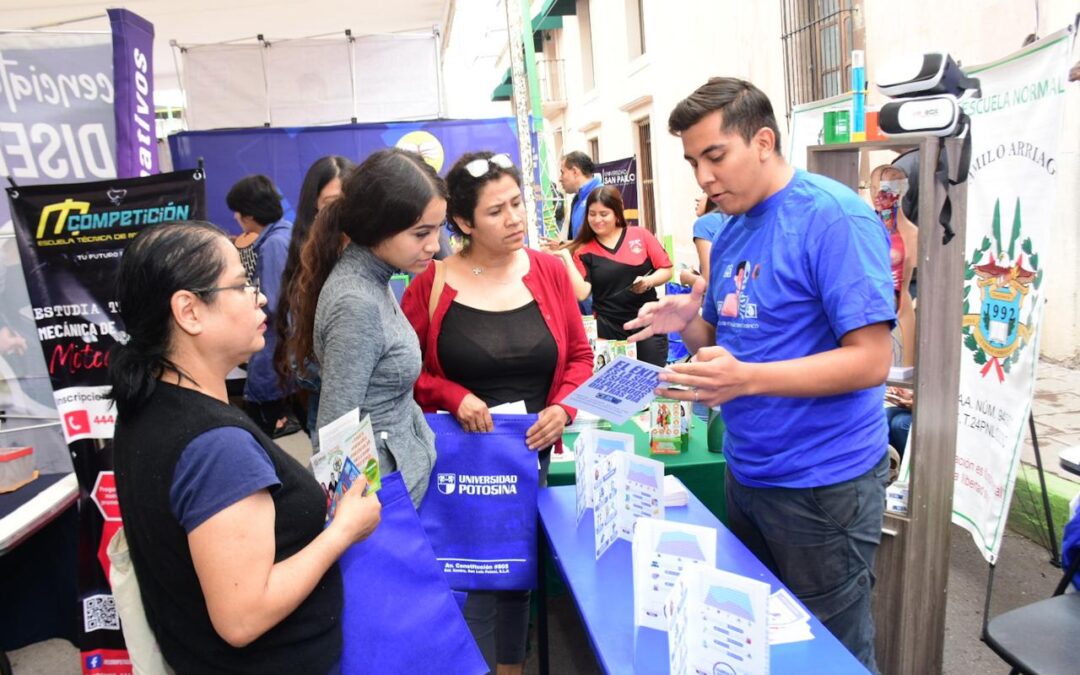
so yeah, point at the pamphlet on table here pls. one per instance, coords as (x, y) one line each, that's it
(788, 619)
(589, 446)
(663, 550)
(718, 623)
(627, 488)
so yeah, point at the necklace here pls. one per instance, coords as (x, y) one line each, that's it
(478, 271)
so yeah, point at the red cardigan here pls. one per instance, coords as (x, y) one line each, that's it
(549, 284)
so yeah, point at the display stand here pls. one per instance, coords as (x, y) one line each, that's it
(913, 559)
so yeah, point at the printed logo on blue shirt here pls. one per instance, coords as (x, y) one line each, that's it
(738, 304)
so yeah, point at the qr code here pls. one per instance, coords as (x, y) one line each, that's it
(99, 613)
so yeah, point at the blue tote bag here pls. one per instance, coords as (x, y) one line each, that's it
(480, 508)
(400, 616)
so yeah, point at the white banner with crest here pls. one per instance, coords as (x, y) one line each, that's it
(1016, 133)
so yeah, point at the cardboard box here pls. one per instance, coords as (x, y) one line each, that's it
(669, 426)
(16, 468)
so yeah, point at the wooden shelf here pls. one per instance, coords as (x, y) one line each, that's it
(906, 143)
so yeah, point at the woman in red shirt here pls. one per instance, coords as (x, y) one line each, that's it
(620, 266)
(497, 323)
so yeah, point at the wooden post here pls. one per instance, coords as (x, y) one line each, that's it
(913, 560)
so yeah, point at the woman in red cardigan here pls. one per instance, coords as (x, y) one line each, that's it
(497, 323)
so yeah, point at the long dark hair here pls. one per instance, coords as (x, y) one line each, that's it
(324, 170)
(160, 261)
(609, 196)
(385, 195)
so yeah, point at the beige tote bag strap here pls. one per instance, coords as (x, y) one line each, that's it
(436, 288)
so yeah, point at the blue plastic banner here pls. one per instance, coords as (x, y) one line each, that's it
(400, 616)
(133, 80)
(480, 508)
(285, 154)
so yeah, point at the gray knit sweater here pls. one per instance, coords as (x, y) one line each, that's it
(370, 358)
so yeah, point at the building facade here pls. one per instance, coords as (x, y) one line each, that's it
(610, 71)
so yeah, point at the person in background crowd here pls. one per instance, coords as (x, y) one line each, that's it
(236, 566)
(576, 176)
(888, 184)
(620, 266)
(256, 206)
(708, 224)
(322, 185)
(800, 369)
(391, 208)
(503, 328)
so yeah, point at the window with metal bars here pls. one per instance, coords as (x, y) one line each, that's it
(647, 210)
(818, 36)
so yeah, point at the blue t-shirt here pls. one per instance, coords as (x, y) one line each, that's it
(577, 206)
(789, 278)
(709, 225)
(218, 468)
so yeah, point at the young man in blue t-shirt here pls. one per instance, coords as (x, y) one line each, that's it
(794, 341)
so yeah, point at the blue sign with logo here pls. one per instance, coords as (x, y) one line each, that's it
(480, 508)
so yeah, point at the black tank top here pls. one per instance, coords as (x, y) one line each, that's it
(501, 357)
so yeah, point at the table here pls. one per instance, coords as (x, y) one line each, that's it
(38, 543)
(33, 506)
(700, 470)
(602, 591)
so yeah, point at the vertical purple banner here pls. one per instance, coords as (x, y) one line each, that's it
(622, 173)
(133, 82)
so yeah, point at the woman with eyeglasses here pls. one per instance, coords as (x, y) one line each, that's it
(620, 267)
(498, 323)
(322, 185)
(236, 567)
(391, 209)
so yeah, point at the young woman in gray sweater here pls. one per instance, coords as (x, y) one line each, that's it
(391, 209)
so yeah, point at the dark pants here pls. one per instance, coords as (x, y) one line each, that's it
(653, 350)
(821, 542)
(499, 620)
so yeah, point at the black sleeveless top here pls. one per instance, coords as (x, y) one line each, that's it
(501, 357)
(147, 447)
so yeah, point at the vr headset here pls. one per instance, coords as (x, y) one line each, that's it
(930, 115)
(929, 87)
(933, 73)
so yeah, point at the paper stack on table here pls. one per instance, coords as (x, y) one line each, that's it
(675, 493)
(788, 620)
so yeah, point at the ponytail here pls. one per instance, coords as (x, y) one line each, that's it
(317, 178)
(318, 256)
(133, 373)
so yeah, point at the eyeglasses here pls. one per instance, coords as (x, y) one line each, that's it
(479, 167)
(249, 285)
